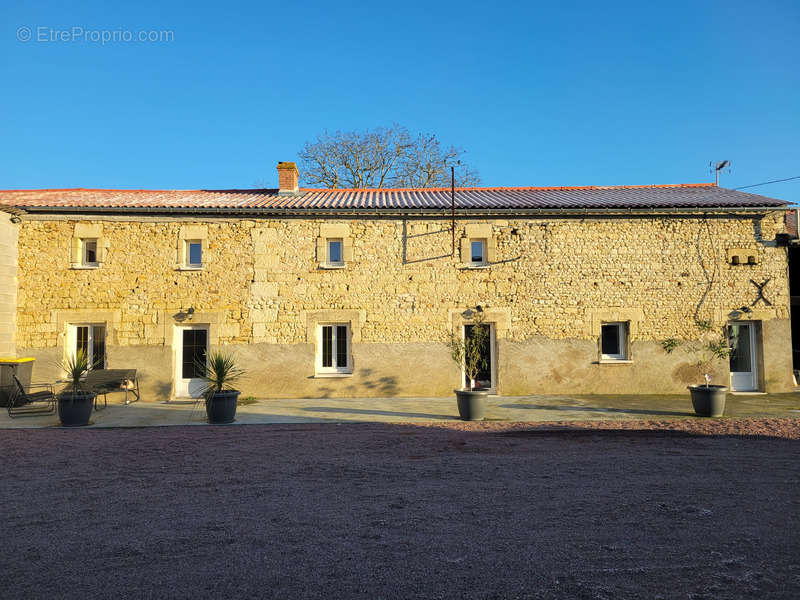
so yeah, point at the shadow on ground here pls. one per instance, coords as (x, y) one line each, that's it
(594, 409)
(387, 413)
(567, 432)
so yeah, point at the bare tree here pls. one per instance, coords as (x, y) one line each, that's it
(386, 157)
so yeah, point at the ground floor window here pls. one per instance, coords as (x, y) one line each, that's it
(333, 354)
(614, 341)
(91, 339)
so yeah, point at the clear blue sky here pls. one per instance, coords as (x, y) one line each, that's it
(548, 94)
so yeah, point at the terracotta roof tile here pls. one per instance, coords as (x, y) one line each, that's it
(697, 195)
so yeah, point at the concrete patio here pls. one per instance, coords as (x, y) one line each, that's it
(395, 410)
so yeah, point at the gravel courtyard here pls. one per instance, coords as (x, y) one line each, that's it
(673, 509)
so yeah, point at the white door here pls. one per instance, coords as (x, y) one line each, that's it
(191, 347)
(743, 359)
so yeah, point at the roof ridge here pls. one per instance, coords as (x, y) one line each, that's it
(81, 189)
(345, 190)
(511, 188)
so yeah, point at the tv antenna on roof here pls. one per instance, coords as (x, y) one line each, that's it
(716, 168)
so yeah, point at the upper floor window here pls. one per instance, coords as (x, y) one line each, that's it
(88, 246)
(334, 246)
(335, 256)
(477, 252)
(192, 248)
(89, 252)
(194, 254)
(478, 246)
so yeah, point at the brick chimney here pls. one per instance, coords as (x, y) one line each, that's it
(287, 178)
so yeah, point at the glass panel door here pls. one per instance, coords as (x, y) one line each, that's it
(91, 339)
(741, 337)
(98, 347)
(194, 352)
(191, 345)
(484, 378)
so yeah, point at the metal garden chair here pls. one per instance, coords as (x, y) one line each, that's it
(37, 399)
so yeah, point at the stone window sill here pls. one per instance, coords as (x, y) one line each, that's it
(188, 268)
(614, 361)
(476, 267)
(84, 267)
(331, 267)
(331, 375)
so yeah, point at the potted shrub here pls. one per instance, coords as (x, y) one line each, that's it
(712, 347)
(467, 353)
(220, 374)
(75, 402)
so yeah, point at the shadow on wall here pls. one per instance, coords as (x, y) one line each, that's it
(161, 390)
(384, 386)
(688, 373)
(407, 236)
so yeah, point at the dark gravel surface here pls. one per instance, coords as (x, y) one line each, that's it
(632, 510)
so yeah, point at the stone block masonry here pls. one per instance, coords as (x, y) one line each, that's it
(8, 285)
(554, 280)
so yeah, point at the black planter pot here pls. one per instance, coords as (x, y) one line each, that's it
(75, 408)
(708, 400)
(221, 406)
(471, 404)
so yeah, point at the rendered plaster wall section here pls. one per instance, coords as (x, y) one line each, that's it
(8, 285)
(550, 284)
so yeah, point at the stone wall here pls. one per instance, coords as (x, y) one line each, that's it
(552, 282)
(8, 285)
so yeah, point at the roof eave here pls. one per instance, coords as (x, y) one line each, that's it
(384, 212)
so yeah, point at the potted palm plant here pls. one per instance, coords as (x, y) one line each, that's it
(711, 348)
(467, 352)
(220, 373)
(75, 402)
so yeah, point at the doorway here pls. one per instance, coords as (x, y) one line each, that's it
(743, 357)
(794, 299)
(191, 345)
(487, 376)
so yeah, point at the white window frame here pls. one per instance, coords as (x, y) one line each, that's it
(622, 340)
(72, 341)
(484, 248)
(329, 262)
(187, 261)
(85, 262)
(335, 368)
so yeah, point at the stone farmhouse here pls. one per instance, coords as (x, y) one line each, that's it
(336, 292)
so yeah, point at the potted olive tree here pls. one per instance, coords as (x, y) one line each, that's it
(467, 352)
(75, 402)
(220, 373)
(710, 349)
